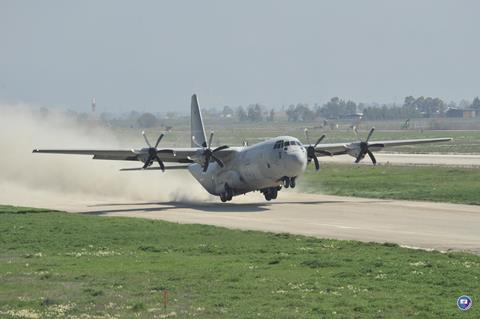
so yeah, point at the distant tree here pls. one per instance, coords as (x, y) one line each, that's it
(171, 115)
(464, 104)
(300, 113)
(242, 114)
(227, 111)
(147, 120)
(133, 115)
(271, 116)
(476, 103)
(254, 113)
(336, 108)
(292, 116)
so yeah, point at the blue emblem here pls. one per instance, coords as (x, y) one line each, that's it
(464, 302)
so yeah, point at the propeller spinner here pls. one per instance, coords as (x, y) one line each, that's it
(364, 148)
(153, 152)
(209, 153)
(311, 153)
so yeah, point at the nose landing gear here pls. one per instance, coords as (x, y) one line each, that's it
(289, 182)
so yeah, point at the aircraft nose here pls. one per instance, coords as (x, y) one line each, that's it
(296, 162)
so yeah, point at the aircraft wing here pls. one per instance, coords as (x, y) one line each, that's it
(174, 155)
(344, 148)
(123, 155)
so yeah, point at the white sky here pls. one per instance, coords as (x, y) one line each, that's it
(152, 55)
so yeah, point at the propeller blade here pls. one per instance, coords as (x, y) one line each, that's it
(162, 167)
(207, 162)
(317, 164)
(220, 148)
(370, 134)
(219, 162)
(319, 140)
(159, 139)
(359, 157)
(374, 161)
(147, 162)
(210, 139)
(146, 139)
(307, 136)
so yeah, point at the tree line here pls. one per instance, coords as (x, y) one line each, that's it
(335, 109)
(338, 108)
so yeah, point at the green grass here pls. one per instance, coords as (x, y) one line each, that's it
(235, 133)
(441, 184)
(58, 265)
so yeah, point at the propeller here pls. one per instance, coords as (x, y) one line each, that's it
(209, 153)
(364, 148)
(153, 152)
(311, 155)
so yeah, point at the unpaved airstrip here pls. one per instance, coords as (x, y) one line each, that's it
(415, 224)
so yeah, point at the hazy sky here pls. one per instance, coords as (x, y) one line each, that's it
(152, 55)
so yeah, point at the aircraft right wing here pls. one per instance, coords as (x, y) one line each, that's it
(346, 148)
(170, 155)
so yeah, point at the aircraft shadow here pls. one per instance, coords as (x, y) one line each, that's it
(209, 207)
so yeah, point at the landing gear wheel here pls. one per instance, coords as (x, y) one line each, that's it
(223, 198)
(274, 193)
(286, 182)
(267, 196)
(292, 182)
(228, 192)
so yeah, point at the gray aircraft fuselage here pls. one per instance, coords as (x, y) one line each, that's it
(255, 167)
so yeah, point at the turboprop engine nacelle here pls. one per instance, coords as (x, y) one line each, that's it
(353, 149)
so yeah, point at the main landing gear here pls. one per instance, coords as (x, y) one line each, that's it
(227, 195)
(271, 192)
(289, 182)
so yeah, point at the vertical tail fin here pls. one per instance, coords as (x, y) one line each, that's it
(196, 123)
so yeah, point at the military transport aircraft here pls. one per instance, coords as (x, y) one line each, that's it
(227, 171)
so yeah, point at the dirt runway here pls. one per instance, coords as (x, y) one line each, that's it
(415, 224)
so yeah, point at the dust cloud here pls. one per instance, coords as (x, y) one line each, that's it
(45, 180)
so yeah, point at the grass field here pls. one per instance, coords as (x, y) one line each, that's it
(59, 265)
(440, 184)
(235, 133)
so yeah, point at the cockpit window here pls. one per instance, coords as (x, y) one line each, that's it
(282, 144)
(278, 144)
